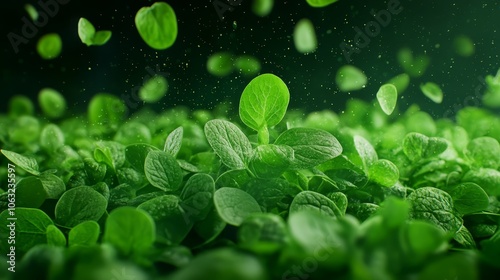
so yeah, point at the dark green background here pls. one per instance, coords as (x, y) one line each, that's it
(120, 65)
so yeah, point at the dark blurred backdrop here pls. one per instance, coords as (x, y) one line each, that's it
(120, 65)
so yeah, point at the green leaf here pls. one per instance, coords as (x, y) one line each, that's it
(414, 145)
(394, 211)
(172, 222)
(174, 141)
(54, 186)
(86, 31)
(136, 155)
(414, 66)
(107, 111)
(263, 233)
(157, 25)
(384, 173)
(79, 204)
(24, 130)
(247, 65)
(130, 230)
(154, 89)
(435, 146)
(30, 192)
(366, 152)
(229, 143)
(432, 91)
(197, 196)
(52, 103)
(234, 205)
(270, 161)
(32, 12)
(313, 201)
(401, 82)
(55, 236)
(20, 105)
(435, 206)
(319, 235)
(469, 198)
(84, 234)
(30, 228)
(350, 78)
(423, 238)
(220, 64)
(133, 133)
(451, 266)
(269, 193)
(340, 200)
(320, 3)
(387, 97)
(262, 8)
(304, 36)
(163, 171)
(311, 146)
(264, 102)
(51, 138)
(463, 46)
(102, 37)
(488, 179)
(49, 46)
(27, 163)
(237, 265)
(484, 152)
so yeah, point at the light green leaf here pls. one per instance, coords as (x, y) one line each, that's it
(51, 138)
(27, 163)
(52, 103)
(86, 31)
(78, 205)
(350, 78)
(229, 143)
(262, 8)
(401, 82)
(270, 161)
(366, 151)
(387, 97)
(174, 141)
(484, 152)
(157, 25)
(55, 237)
(49, 46)
(432, 91)
(234, 205)
(311, 146)
(304, 36)
(313, 201)
(384, 173)
(264, 102)
(463, 46)
(154, 89)
(130, 230)
(247, 65)
(84, 234)
(107, 111)
(263, 233)
(220, 64)
(163, 171)
(320, 3)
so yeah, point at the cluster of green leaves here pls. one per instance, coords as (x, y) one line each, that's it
(279, 195)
